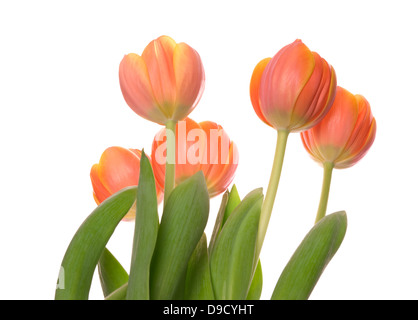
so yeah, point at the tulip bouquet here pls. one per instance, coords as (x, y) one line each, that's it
(167, 193)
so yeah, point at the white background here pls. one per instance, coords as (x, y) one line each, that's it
(61, 106)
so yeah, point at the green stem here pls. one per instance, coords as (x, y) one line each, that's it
(326, 183)
(170, 166)
(267, 206)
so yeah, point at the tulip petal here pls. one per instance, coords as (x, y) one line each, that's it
(316, 98)
(335, 129)
(124, 174)
(255, 88)
(136, 88)
(190, 79)
(100, 193)
(158, 57)
(282, 81)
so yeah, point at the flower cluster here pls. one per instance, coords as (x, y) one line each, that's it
(294, 91)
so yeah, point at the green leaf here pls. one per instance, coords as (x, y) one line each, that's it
(182, 224)
(198, 282)
(145, 235)
(305, 267)
(232, 261)
(88, 243)
(111, 273)
(233, 201)
(219, 221)
(230, 201)
(256, 284)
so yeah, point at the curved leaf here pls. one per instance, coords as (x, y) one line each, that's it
(232, 261)
(145, 235)
(219, 221)
(111, 273)
(182, 224)
(88, 243)
(305, 267)
(233, 201)
(198, 282)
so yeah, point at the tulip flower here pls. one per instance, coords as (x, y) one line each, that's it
(118, 168)
(341, 139)
(163, 85)
(165, 82)
(290, 92)
(199, 146)
(293, 90)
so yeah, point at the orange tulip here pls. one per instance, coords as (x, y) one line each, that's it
(199, 146)
(164, 83)
(293, 90)
(346, 133)
(118, 168)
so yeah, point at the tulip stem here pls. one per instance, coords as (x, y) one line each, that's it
(170, 165)
(326, 184)
(267, 206)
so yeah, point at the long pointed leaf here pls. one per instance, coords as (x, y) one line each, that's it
(198, 282)
(184, 219)
(219, 221)
(233, 201)
(145, 235)
(111, 273)
(305, 267)
(232, 261)
(88, 243)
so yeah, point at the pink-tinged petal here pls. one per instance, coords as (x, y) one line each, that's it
(255, 88)
(158, 57)
(100, 193)
(190, 79)
(362, 136)
(218, 183)
(190, 146)
(136, 88)
(217, 149)
(345, 134)
(118, 169)
(282, 81)
(335, 129)
(316, 98)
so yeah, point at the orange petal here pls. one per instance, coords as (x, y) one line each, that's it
(136, 88)
(118, 169)
(255, 88)
(219, 182)
(190, 79)
(316, 98)
(282, 81)
(100, 193)
(158, 57)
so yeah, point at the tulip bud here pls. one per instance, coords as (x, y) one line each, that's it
(199, 146)
(346, 133)
(164, 83)
(118, 168)
(293, 90)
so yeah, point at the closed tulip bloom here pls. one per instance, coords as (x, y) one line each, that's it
(341, 139)
(199, 146)
(118, 168)
(290, 92)
(346, 133)
(293, 90)
(163, 84)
